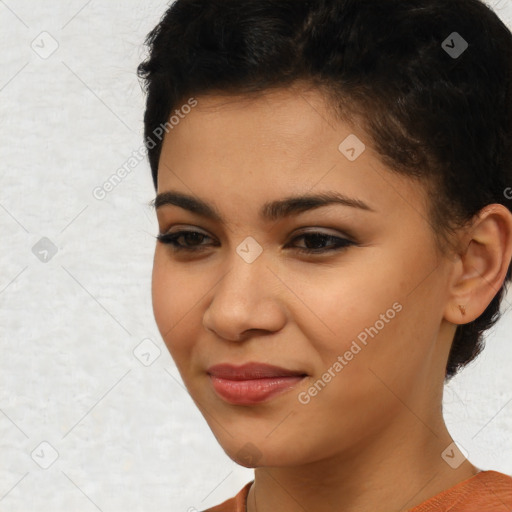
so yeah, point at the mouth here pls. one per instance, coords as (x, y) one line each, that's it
(252, 383)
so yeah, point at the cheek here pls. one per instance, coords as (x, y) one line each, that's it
(175, 300)
(350, 306)
(375, 315)
(162, 294)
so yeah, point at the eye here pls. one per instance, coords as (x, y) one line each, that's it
(319, 239)
(192, 241)
(195, 237)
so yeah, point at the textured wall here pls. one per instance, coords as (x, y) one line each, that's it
(89, 419)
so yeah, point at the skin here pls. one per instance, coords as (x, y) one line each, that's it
(375, 433)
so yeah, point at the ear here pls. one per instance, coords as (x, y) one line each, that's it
(480, 270)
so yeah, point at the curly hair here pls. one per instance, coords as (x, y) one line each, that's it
(429, 81)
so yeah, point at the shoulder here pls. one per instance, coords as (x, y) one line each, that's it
(487, 491)
(235, 504)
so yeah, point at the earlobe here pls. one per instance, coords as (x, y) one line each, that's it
(484, 264)
(457, 314)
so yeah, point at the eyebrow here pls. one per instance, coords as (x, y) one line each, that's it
(270, 211)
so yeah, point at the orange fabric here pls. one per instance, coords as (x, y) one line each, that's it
(236, 504)
(487, 491)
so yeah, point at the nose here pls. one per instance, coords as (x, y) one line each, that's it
(248, 299)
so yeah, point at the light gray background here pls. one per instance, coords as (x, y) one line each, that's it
(128, 436)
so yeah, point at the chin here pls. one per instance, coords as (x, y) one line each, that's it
(259, 453)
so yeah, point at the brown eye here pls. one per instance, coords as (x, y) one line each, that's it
(316, 241)
(192, 240)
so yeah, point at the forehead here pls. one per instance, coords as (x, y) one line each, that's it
(273, 114)
(276, 144)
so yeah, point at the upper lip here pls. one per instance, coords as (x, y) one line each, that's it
(250, 371)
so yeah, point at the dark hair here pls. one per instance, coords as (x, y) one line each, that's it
(432, 113)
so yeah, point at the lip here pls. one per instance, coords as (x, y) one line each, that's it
(252, 383)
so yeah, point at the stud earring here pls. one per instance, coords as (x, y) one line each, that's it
(462, 309)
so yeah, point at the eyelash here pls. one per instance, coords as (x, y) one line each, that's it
(171, 240)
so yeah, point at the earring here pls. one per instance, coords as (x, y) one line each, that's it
(462, 309)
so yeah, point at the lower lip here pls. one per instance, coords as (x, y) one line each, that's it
(248, 392)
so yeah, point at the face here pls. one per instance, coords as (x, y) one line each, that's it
(358, 319)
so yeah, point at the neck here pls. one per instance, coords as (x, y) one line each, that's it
(397, 469)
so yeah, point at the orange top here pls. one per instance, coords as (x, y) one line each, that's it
(487, 491)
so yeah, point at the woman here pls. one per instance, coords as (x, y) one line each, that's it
(335, 238)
